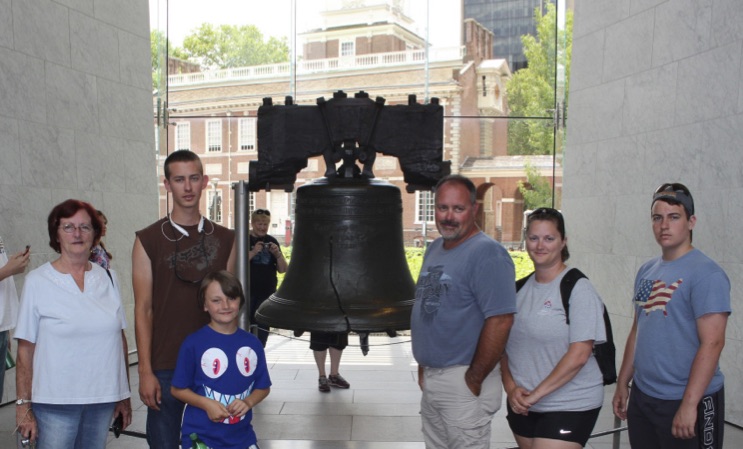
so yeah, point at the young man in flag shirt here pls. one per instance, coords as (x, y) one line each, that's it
(682, 303)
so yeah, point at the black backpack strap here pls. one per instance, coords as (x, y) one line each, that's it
(520, 283)
(566, 289)
(605, 353)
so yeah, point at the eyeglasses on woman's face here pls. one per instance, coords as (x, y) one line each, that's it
(70, 228)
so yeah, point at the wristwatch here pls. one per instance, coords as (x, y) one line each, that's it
(22, 401)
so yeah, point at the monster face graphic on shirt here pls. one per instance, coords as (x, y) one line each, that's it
(215, 364)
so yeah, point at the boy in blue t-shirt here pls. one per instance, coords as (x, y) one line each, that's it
(221, 373)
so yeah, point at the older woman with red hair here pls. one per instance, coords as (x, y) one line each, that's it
(71, 376)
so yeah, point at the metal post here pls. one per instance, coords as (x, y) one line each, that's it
(293, 51)
(215, 205)
(242, 246)
(426, 68)
(617, 435)
(424, 228)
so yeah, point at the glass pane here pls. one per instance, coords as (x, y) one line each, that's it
(158, 51)
(223, 167)
(564, 52)
(503, 94)
(379, 46)
(508, 184)
(534, 37)
(224, 58)
(508, 20)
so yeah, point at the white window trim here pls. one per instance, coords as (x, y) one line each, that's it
(178, 140)
(352, 44)
(247, 134)
(418, 212)
(208, 125)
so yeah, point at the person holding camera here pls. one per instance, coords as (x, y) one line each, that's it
(266, 260)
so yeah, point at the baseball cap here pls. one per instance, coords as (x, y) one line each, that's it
(677, 193)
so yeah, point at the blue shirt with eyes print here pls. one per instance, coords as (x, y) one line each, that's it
(224, 368)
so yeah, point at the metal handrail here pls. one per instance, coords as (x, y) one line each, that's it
(615, 431)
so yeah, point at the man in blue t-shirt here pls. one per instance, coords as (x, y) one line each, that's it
(463, 312)
(682, 303)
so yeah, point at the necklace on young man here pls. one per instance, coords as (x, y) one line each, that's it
(183, 233)
(200, 229)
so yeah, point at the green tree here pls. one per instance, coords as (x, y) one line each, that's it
(159, 45)
(537, 191)
(531, 91)
(228, 46)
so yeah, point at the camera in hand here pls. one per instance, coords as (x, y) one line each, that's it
(264, 242)
(118, 425)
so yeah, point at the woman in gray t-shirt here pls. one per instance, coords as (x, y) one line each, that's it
(554, 385)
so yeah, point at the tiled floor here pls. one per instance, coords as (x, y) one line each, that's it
(379, 411)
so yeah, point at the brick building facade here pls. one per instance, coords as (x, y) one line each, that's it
(214, 115)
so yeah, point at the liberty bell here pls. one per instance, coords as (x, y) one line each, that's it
(348, 270)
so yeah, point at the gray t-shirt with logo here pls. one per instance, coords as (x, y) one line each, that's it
(540, 337)
(457, 290)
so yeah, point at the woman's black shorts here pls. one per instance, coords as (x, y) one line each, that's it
(566, 426)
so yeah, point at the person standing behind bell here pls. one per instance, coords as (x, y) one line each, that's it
(266, 260)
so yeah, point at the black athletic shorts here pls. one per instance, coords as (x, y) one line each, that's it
(575, 427)
(649, 421)
(320, 341)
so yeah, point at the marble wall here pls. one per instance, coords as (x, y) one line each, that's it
(76, 122)
(656, 95)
